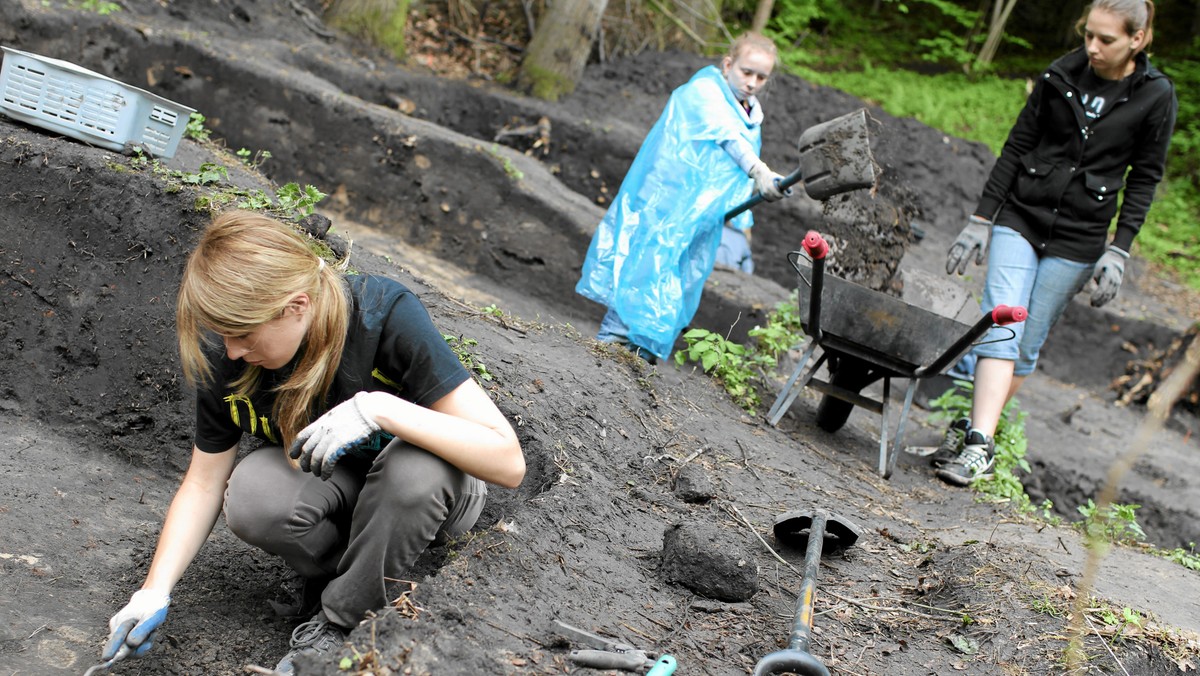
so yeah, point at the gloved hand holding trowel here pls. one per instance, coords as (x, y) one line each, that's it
(133, 629)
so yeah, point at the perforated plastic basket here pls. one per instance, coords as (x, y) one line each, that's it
(74, 101)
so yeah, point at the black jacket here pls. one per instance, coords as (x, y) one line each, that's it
(1058, 175)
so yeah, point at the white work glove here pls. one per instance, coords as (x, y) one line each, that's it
(345, 428)
(972, 240)
(133, 629)
(766, 182)
(1107, 275)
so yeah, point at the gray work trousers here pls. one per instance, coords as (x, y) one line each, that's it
(364, 526)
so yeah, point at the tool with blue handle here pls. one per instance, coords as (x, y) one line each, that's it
(613, 654)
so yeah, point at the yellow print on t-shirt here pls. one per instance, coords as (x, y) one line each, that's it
(254, 420)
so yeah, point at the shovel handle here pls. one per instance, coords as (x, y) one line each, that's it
(1004, 314)
(783, 183)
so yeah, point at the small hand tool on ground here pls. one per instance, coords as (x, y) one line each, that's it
(814, 529)
(124, 652)
(607, 653)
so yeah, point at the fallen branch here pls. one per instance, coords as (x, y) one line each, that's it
(738, 514)
(895, 609)
(1106, 646)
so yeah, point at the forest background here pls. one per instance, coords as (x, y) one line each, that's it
(962, 66)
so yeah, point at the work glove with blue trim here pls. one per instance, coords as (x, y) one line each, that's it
(766, 182)
(346, 429)
(972, 240)
(1107, 275)
(133, 629)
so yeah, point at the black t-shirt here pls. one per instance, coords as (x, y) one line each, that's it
(391, 345)
(1097, 94)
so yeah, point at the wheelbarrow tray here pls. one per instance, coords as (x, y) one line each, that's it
(877, 328)
(872, 336)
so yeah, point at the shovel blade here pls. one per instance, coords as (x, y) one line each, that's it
(794, 528)
(835, 156)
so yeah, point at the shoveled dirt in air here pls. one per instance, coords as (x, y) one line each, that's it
(96, 423)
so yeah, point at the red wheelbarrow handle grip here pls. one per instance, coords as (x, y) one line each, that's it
(1003, 314)
(815, 245)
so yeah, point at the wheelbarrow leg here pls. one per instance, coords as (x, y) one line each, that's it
(792, 389)
(886, 469)
(883, 424)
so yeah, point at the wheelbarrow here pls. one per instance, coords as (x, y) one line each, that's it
(871, 336)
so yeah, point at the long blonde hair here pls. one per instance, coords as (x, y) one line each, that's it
(245, 270)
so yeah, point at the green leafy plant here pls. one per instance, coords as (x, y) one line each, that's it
(302, 201)
(195, 129)
(462, 348)
(1117, 621)
(1114, 523)
(737, 367)
(506, 162)
(257, 200)
(208, 174)
(493, 311)
(1184, 557)
(1048, 606)
(782, 331)
(254, 159)
(729, 362)
(100, 7)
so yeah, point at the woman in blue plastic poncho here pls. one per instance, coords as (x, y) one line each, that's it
(657, 243)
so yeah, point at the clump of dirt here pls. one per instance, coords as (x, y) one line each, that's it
(96, 423)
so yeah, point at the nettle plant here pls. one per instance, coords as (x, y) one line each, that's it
(739, 367)
(462, 348)
(1114, 523)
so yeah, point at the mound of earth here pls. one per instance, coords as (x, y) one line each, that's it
(624, 459)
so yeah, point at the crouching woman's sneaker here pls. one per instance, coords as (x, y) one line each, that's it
(974, 461)
(316, 637)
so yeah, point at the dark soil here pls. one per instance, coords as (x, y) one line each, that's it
(624, 459)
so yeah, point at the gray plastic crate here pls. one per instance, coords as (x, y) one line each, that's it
(74, 101)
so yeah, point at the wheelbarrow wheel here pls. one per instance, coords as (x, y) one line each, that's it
(849, 374)
(832, 413)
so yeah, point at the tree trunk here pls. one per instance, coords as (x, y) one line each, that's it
(1000, 13)
(380, 22)
(762, 14)
(556, 56)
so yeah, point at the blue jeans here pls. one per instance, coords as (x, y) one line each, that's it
(734, 251)
(612, 329)
(1016, 275)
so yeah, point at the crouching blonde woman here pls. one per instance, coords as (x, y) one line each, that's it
(376, 440)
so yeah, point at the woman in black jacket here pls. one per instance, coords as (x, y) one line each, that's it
(1099, 121)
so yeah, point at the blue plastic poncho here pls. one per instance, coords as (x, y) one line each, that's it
(657, 243)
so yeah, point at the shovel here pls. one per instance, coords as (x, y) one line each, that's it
(816, 530)
(835, 157)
